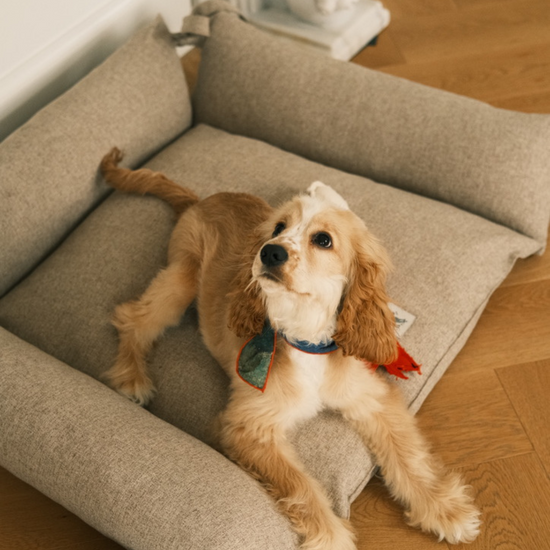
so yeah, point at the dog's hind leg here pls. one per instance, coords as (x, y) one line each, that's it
(142, 321)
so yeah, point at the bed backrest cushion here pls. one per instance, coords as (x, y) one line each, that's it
(137, 99)
(488, 161)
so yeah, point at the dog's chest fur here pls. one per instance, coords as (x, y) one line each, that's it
(309, 372)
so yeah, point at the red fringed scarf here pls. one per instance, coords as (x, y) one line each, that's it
(403, 363)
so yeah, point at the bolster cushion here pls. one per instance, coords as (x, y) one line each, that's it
(488, 161)
(137, 479)
(137, 99)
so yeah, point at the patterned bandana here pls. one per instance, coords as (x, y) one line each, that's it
(256, 357)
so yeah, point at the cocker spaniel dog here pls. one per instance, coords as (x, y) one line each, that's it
(292, 304)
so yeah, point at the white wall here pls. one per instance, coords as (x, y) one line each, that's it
(48, 45)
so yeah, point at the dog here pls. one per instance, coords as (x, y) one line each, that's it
(293, 306)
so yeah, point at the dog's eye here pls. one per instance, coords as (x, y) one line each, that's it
(279, 228)
(322, 239)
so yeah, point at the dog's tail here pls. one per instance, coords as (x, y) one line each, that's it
(145, 181)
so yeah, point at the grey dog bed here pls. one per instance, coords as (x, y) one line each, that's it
(455, 189)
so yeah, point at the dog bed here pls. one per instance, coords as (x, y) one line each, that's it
(455, 189)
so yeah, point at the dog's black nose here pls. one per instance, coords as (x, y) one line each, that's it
(273, 255)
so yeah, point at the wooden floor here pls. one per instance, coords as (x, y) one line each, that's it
(489, 417)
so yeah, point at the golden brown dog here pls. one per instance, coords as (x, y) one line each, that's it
(306, 274)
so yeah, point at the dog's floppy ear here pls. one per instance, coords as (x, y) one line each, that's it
(247, 312)
(366, 326)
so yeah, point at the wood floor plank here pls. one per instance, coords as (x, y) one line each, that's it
(531, 102)
(530, 270)
(528, 388)
(190, 64)
(11, 486)
(469, 419)
(465, 4)
(400, 9)
(514, 497)
(485, 28)
(384, 54)
(487, 77)
(379, 523)
(513, 329)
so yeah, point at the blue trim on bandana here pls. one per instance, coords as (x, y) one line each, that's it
(308, 347)
(304, 345)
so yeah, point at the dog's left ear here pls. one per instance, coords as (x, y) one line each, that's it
(366, 326)
(247, 312)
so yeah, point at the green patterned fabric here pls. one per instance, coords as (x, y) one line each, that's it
(256, 357)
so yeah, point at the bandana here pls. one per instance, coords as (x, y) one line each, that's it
(256, 357)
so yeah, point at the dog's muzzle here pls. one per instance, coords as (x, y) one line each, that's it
(273, 255)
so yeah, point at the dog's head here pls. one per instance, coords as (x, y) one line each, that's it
(317, 274)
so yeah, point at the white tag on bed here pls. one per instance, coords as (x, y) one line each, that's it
(403, 319)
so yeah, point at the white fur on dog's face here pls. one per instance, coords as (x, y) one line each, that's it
(303, 300)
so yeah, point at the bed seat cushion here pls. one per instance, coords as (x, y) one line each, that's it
(447, 264)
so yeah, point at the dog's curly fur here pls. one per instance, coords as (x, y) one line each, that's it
(330, 286)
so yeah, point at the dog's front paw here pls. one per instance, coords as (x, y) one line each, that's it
(135, 387)
(451, 515)
(332, 535)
